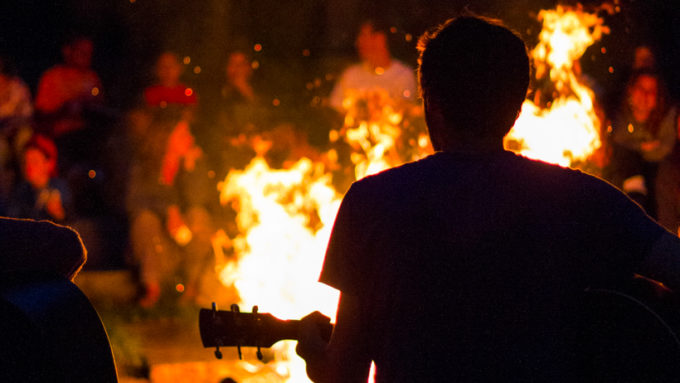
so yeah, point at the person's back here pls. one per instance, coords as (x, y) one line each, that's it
(482, 258)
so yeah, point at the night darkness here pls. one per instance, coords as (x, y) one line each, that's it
(130, 34)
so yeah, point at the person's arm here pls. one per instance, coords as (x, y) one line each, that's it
(662, 263)
(48, 98)
(346, 358)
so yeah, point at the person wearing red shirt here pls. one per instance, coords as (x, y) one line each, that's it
(66, 90)
(169, 90)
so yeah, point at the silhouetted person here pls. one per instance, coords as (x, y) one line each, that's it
(39, 247)
(49, 331)
(469, 265)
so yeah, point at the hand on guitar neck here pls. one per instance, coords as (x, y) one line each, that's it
(220, 328)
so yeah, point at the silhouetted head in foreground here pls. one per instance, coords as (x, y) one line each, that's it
(474, 75)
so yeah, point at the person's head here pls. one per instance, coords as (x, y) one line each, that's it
(644, 58)
(474, 74)
(168, 69)
(645, 94)
(238, 67)
(372, 42)
(77, 52)
(39, 161)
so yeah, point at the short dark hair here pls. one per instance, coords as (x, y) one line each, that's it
(477, 71)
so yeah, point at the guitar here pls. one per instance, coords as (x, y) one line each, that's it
(624, 334)
(630, 333)
(236, 329)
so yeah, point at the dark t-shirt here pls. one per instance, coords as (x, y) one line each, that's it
(469, 266)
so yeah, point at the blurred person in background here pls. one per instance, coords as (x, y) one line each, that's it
(41, 194)
(233, 112)
(376, 71)
(16, 112)
(644, 58)
(644, 133)
(168, 199)
(169, 89)
(66, 90)
(16, 108)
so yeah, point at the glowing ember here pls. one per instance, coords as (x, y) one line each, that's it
(566, 132)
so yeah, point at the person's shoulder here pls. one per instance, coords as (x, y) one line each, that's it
(556, 172)
(401, 70)
(399, 176)
(18, 85)
(153, 88)
(53, 72)
(353, 70)
(401, 66)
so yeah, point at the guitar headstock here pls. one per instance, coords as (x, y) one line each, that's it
(236, 329)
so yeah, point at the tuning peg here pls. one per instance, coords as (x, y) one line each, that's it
(257, 322)
(218, 353)
(235, 310)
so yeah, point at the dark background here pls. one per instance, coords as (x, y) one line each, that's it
(128, 35)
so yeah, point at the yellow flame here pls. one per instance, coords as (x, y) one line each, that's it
(284, 221)
(567, 131)
(376, 130)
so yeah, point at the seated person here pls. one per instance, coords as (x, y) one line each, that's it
(168, 196)
(471, 265)
(234, 109)
(66, 91)
(644, 133)
(377, 71)
(41, 194)
(16, 111)
(15, 99)
(169, 90)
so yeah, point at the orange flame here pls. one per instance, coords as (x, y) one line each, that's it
(567, 132)
(284, 220)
